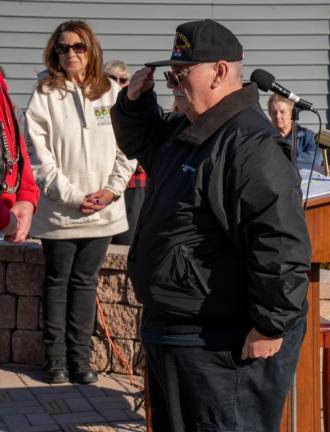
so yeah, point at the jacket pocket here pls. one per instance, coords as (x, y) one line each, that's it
(179, 273)
(193, 274)
(72, 221)
(62, 216)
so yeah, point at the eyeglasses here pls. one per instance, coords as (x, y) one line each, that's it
(174, 79)
(78, 48)
(120, 80)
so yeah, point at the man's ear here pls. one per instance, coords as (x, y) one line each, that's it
(221, 71)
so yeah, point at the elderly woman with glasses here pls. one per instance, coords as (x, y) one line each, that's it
(280, 112)
(82, 175)
(117, 70)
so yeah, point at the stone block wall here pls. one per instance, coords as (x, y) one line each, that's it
(21, 323)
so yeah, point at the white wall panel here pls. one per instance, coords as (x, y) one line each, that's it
(164, 26)
(290, 38)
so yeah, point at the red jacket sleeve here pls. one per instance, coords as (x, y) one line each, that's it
(4, 215)
(28, 190)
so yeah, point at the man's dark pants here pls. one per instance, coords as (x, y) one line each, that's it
(204, 389)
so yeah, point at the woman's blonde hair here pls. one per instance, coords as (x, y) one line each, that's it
(277, 98)
(96, 82)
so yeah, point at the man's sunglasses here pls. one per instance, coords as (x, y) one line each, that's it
(174, 78)
(120, 80)
(78, 48)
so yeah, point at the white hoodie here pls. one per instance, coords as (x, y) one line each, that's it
(74, 152)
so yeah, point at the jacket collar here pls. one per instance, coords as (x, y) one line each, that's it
(196, 133)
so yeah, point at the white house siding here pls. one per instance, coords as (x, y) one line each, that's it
(289, 38)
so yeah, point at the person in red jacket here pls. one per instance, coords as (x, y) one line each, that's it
(18, 191)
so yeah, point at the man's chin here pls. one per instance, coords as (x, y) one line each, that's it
(181, 103)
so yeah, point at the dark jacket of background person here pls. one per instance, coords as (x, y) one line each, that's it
(134, 193)
(219, 243)
(18, 183)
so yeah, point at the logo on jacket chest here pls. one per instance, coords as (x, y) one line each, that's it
(187, 168)
(102, 115)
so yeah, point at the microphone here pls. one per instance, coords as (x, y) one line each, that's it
(266, 81)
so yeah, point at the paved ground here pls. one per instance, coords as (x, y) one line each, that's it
(27, 404)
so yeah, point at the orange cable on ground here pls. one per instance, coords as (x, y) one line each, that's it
(114, 346)
(129, 370)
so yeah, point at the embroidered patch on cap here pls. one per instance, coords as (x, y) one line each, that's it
(181, 43)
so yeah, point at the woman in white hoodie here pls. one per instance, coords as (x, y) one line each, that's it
(82, 175)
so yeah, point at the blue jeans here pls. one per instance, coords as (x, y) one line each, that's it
(69, 295)
(207, 389)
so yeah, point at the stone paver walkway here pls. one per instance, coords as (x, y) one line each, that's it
(28, 404)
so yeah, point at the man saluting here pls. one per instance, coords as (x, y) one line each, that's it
(221, 251)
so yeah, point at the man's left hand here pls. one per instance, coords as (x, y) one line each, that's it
(257, 345)
(23, 211)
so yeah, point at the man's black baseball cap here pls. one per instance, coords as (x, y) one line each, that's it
(203, 41)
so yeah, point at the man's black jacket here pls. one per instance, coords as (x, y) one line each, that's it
(222, 233)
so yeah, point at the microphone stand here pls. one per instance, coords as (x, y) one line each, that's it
(294, 118)
(293, 398)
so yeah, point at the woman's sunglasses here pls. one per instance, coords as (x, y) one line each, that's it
(78, 48)
(120, 80)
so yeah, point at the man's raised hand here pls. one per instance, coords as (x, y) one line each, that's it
(141, 81)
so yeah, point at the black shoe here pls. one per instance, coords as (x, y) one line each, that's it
(55, 371)
(82, 374)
